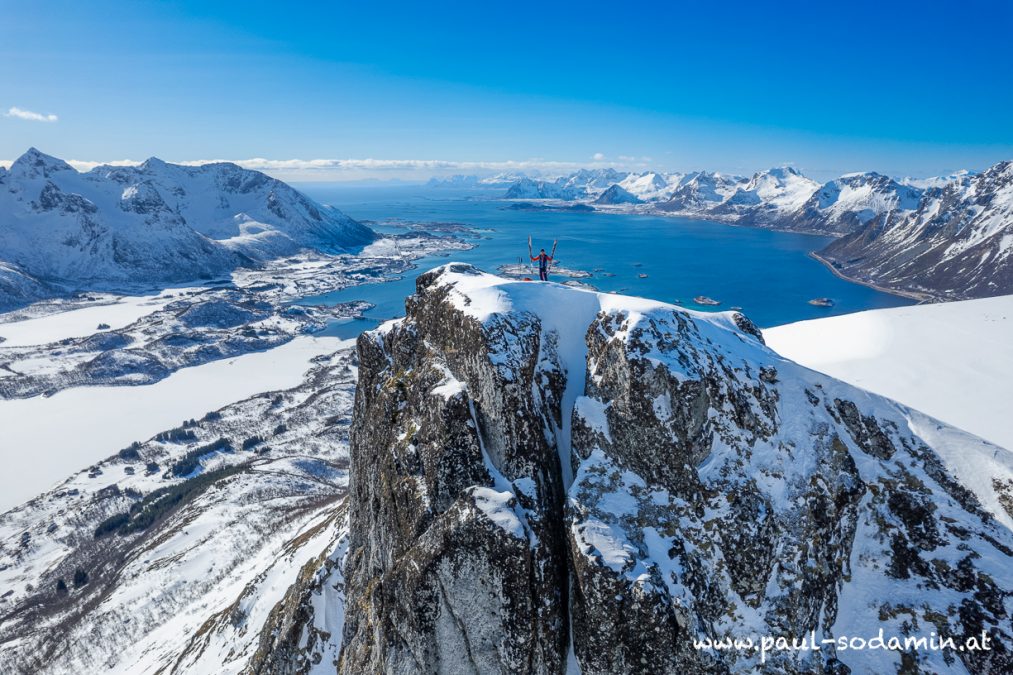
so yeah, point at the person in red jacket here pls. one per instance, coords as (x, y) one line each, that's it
(543, 259)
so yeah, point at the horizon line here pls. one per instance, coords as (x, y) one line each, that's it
(381, 170)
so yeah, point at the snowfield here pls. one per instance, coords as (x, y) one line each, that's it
(255, 539)
(77, 427)
(117, 312)
(953, 361)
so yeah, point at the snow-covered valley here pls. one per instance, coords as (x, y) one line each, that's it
(225, 519)
(94, 421)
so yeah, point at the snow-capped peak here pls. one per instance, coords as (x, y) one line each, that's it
(156, 221)
(650, 186)
(35, 164)
(937, 181)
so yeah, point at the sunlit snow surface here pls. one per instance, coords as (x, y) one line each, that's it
(116, 312)
(79, 426)
(953, 361)
(197, 596)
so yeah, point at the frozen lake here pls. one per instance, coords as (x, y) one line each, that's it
(43, 440)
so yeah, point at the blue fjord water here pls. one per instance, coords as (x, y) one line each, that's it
(768, 274)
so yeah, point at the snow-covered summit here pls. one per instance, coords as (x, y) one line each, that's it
(615, 194)
(648, 476)
(156, 222)
(702, 191)
(956, 243)
(651, 186)
(227, 202)
(847, 203)
(33, 165)
(937, 181)
(592, 180)
(770, 195)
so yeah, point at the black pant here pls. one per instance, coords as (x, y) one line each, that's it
(543, 273)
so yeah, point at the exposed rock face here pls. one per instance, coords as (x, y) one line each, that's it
(537, 469)
(957, 244)
(616, 195)
(458, 556)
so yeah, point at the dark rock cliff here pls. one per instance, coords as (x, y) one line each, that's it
(544, 476)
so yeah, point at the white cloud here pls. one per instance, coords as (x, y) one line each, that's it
(262, 164)
(369, 168)
(401, 169)
(23, 114)
(83, 165)
(598, 157)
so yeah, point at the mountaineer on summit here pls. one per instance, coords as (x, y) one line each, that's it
(543, 259)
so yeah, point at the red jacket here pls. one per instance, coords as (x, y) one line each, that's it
(543, 260)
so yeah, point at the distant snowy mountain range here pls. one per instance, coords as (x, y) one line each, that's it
(957, 241)
(151, 223)
(462, 181)
(780, 197)
(947, 237)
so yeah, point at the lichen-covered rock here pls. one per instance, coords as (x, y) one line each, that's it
(543, 475)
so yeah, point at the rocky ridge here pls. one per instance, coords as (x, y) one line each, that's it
(543, 476)
(152, 224)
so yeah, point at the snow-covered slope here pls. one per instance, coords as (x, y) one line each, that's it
(528, 188)
(951, 360)
(246, 210)
(62, 225)
(616, 195)
(769, 196)
(592, 181)
(227, 556)
(846, 204)
(957, 242)
(937, 181)
(527, 457)
(582, 184)
(702, 192)
(651, 186)
(498, 180)
(18, 288)
(154, 223)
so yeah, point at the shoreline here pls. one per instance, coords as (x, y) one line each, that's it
(555, 205)
(918, 297)
(910, 295)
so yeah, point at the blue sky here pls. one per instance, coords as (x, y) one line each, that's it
(904, 88)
